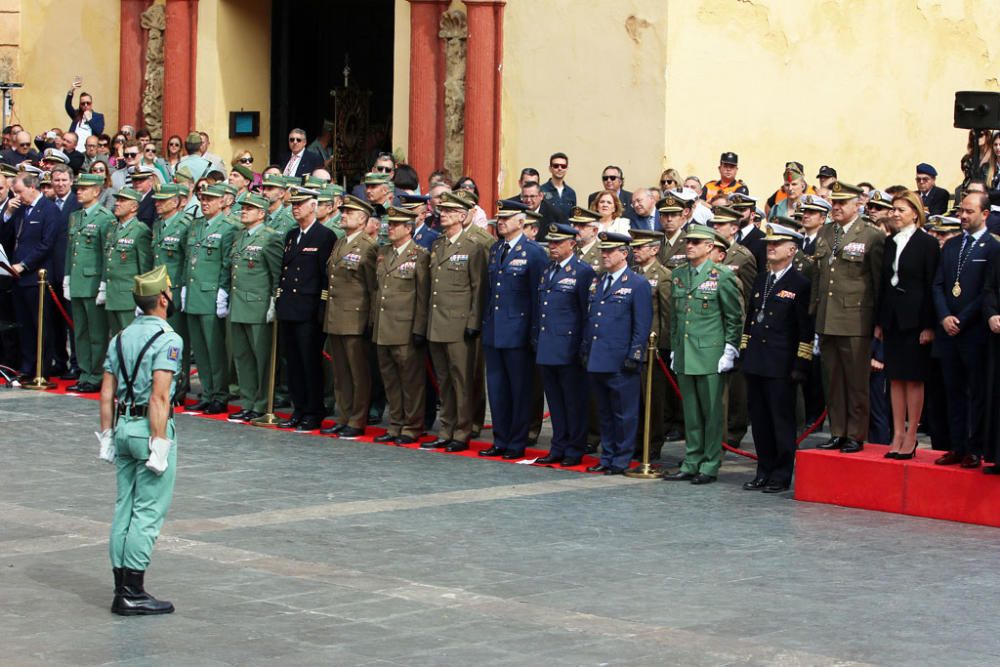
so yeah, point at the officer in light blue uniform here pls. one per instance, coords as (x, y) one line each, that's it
(423, 235)
(563, 295)
(514, 269)
(613, 348)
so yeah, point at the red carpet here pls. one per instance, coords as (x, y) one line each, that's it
(916, 487)
(370, 434)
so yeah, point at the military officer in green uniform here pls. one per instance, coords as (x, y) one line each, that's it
(255, 268)
(205, 298)
(705, 332)
(139, 370)
(127, 254)
(240, 177)
(228, 201)
(170, 232)
(279, 216)
(379, 193)
(646, 245)
(328, 208)
(85, 256)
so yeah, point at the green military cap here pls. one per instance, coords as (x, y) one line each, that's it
(290, 181)
(244, 171)
(338, 190)
(784, 221)
(699, 232)
(453, 200)
(8, 169)
(152, 282)
(167, 191)
(582, 216)
(325, 194)
(612, 240)
(193, 138)
(212, 191)
(353, 203)
(129, 193)
(84, 180)
(740, 201)
(273, 181)
(641, 237)
(671, 204)
(724, 214)
(467, 195)
(842, 191)
(721, 242)
(880, 199)
(183, 173)
(229, 189)
(402, 215)
(256, 201)
(315, 182)
(302, 193)
(184, 190)
(377, 178)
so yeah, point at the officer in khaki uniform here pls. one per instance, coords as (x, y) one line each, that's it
(455, 319)
(646, 245)
(255, 269)
(588, 249)
(87, 234)
(845, 300)
(705, 331)
(674, 215)
(351, 274)
(139, 371)
(127, 254)
(205, 299)
(399, 326)
(170, 230)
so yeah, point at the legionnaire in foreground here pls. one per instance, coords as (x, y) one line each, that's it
(127, 254)
(399, 327)
(88, 230)
(139, 372)
(705, 330)
(170, 231)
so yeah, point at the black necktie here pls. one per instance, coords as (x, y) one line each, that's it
(553, 270)
(607, 284)
(770, 282)
(503, 253)
(739, 236)
(966, 245)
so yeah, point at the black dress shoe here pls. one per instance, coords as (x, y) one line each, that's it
(548, 459)
(836, 442)
(215, 408)
(374, 418)
(702, 479)
(237, 416)
(350, 433)
(75, 388)
(991, 470)
(88, 388)
(440, 443)
(571, 462)
(199, 406)
(456, 446)
(250, 415)
(309, 424)
(70, 375)
(333, 430)
(511, 455)
(492, 451)
(775, 488)
(673, 436)
(679, 476)
(615, 471)
(600, 467)
(385, 437)
(949, 459)
(852, 447)
(592, 448)
(405, 440)
(754, 484)
(971, 461)
(291, 422)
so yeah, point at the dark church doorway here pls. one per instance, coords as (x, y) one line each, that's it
(311, 43)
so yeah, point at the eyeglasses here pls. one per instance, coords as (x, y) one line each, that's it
(102, 144)
(130, 154)
(668, 181)
(150, 150)
(174, 144)
(86, 103)
(922, 179)
(558, 166)
(295, 140)
(609, 177)
(383, 170)
(246, 160)
(25, 144)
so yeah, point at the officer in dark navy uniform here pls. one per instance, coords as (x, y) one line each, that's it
(776, 350)
(613, 348)
(423, 235)
(563, 294)
(514, 269)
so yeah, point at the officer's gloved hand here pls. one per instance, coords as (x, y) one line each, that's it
(66, 287)
(419, 340)
(107, 447)
(471, 334)
(797, 376)
(727, 359)
(159, 448)
(102, 294)
(222, 304)
(672, 361)
(270, 312)
(138, 311)
(815, 345)
(630, 366)
(184, 298)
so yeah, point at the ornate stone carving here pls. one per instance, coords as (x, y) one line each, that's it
(154, 22)
(454, 31)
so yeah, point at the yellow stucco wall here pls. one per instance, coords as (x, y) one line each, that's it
(234, 72)
(401, 77)
(86, 28)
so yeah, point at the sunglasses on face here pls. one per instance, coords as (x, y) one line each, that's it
(246, 160)
(558, 166)
(668, 181)
(24, 145)
(295, 140)
(383, 170)
(609, 178)
(130, 154)
(150, 150)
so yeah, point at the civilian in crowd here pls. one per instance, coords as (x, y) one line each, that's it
(107, 196)
(531, 196)
(612, 179)
(193, 162)
(609, 207)
(825, 177)
(985, 168)
(90, 148)
(117, 157)
(933, 198)
(478, 214)
(20, 151)
(103, 145)
(84, 121)
(213, 159)
(693, 183)
(123, 177)
(555, 190)
(406, 179)
(670, 179)
(172, 153)
(642, 214)
(727, 183)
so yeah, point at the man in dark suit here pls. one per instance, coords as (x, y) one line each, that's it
(612, 178)
(935, 199)
(642, 213)
(56, 327)
(300, 161)
(83, 120)
(423, 235)
(31, 225)
(776, 350)
(20, 151)
(299, 308)
(960, 339)
(749, 235)
(532, 197)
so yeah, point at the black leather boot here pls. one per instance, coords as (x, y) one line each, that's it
(119, 575)
(134, 600)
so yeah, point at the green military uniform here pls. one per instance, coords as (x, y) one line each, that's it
(327, 194)
(399, 315)
(206, 272)
(85, 255)
(380, 211)
(169, 246)
(255, 267)
(707, 318)
(127, 254)
(147, 346)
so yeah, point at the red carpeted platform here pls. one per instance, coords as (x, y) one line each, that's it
(917, 487)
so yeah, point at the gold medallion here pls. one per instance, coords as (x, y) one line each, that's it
(956, 290)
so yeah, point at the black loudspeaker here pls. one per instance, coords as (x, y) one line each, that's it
(977, 110)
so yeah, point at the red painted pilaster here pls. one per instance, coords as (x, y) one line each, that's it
(180, 50)
(483, 79)
(131, 50)
(425, 151)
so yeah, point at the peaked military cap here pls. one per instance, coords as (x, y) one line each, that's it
(740, 201)
(880, 199)
(641, 237)
(452, 200)
(315, 182)
(377, 178)
(729, 157)
(89, 179)
(721, 242)
(671, 204)
(700, 233)
(212, 191)
(842, 191)
(45, 178)
(129, 193)
(944, 224)
(814, 203)
(412, 201)
(273, 181)
(165, 191)
(560, 232)
(184, 173)
(243, 170)
(612, 240)
(582, 216)
(55, 155)
(355, 204)
(724, 214)
(402, 215)
(8, 169)
(143, 171)
(301, 193)
(152, 282)
(229, 189)
(826, 172)
(467, 195)
(791, 223)
(777, 233)
(255, 200)
(507, 208)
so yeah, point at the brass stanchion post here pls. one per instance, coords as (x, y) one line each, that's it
(646, 471)
(271, 419)
(40, 382)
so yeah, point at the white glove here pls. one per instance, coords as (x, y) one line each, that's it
(221, 303)
(270, 311)
(672, 360)
(816, 345)
(728, 357)
(66, 287)
(184, 298)
(138, 311)
(102, 294)
(107, 451)
(159, 448)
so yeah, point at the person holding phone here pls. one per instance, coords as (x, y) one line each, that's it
(84, 121)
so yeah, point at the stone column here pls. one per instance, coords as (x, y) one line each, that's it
(132, 64)
(482, 97)
(180, 50)
(425, 151)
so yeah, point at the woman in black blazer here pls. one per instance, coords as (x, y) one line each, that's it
(906, 317)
